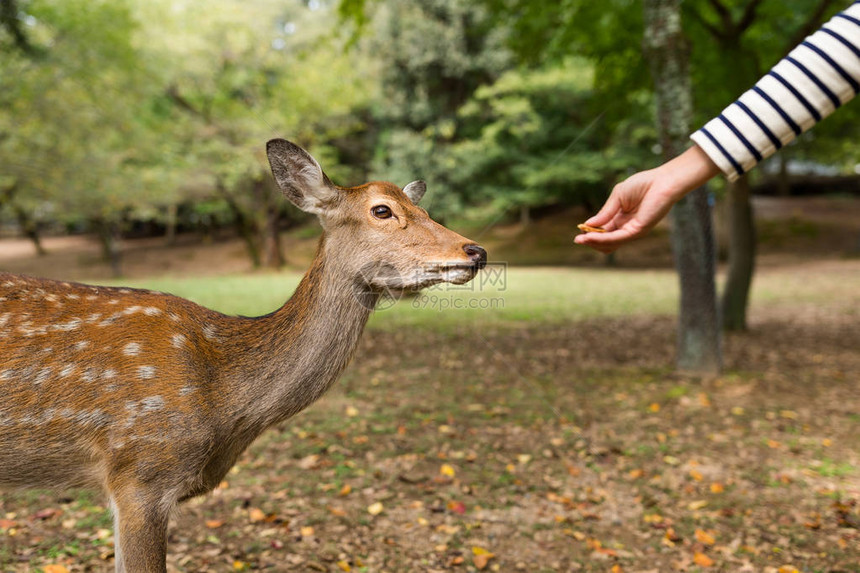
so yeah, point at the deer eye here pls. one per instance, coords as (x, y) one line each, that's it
(381, 212)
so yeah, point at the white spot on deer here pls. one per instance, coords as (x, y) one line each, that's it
(8, 284)
(131, 349)
(73, 324)
(47, 350)
(209, 332)
(124, 291)
(132, 309)
(93, 317)
(4, 318)
(5, 375)
(89, 374)
(72, 296)
(146, 372)
(92, 418)
(113, 301)
(52, 298)
(68, 370)
(179, 340)
(92, 297)
(151, 311)
(43, 375)
(67, 413)
(185, 390)
(151, 404)
(173, 316)
(111, 319)
(111, 388)
(82, 345)
(109, 374)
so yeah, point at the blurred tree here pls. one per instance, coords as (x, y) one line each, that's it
(69, 130)
(230, 77)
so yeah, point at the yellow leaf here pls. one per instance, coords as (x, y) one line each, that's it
(375, 509)
(214, 523)
(654, 407)
(703, 560)
(54, 569)
(717, 487)
(704, 400)
(351, 411)
(738, 411)
(239, 565)
(696, 505)
(344, 566)
(696, 475)
(788, 569)
(307, 531)
(345, 490)
(481, 558)
(703, 536)
(256, 515)
(523, 459)
(447, 470)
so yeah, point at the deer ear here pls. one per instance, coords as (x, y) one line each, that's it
(299, 176)
(415, 191)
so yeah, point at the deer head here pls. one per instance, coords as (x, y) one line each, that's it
(376, 233)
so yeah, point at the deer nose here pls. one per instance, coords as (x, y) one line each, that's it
(478, 255)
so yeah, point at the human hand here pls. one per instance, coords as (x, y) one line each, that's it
(639, 202)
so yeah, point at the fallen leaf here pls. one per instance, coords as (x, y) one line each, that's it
(54, 569)
(696, 505)
(696, 475)
(654, 407)
(375, 508)
(457, 507)
(351, 411)
(788, 569)
(307, 531)
(481, 557)
(717, 487)
(214, 523)
(309, 462)
(703, 536)
(344, 566)
(256, 515)
(447, 470)
(703, 560)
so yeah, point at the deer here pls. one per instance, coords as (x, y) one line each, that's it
(151, 398)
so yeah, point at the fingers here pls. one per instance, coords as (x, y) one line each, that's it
(608, 242)
(606, 213)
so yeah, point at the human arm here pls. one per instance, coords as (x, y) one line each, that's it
(817, 77)
(642, 200)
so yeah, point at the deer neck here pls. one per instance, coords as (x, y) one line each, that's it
(296, 353)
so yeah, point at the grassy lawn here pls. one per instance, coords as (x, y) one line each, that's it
(542, 432)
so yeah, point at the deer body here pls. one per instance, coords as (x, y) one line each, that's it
(152, 398)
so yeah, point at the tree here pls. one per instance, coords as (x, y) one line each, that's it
(753, 36)
(699, 345)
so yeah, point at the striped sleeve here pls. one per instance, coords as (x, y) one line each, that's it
(818, 76)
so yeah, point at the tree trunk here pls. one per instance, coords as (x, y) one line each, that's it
(270, 217)
(30, 227)
(699, 339)
(170, 224)
(110, 235)
(741, 256)
(244, 225)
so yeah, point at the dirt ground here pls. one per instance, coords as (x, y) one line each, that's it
(528, 448)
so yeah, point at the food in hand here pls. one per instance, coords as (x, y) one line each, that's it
(589, 229)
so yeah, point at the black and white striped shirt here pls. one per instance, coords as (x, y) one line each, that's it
(818, 76)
